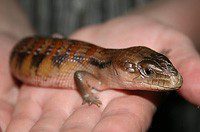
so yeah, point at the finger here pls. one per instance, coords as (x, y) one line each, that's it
(82, 119)
(126, 114)
(191, 80)
(5, 114)
(27, 110)
(7, 43)
(56, 110)
(86, 117)
(25, 115)
(86, 33)
(7, 101)
(187, 61)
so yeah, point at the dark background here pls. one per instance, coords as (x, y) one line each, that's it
(65, 16)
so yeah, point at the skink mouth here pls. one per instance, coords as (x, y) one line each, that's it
(175, 82)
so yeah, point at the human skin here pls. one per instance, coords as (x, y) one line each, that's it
(12, 28)
(41, 109)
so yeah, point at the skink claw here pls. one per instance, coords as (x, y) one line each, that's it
(91, 99)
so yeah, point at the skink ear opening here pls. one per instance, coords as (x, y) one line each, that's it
(129, 66)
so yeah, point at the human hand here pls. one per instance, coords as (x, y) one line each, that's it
(39, 109)
(8, 93)
(144, 31)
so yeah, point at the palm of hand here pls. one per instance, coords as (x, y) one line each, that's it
(54, 109)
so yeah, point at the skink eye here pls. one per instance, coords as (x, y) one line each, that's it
(146, 72)
(147, 68)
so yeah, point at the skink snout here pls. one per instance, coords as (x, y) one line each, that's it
(176, 81)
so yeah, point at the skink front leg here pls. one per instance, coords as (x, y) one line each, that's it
(87, 83)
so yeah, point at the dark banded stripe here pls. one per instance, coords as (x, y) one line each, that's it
(38, 54)
(20, 59)
(36, 60)
(63, 55)
(23, 50)
(100, 64)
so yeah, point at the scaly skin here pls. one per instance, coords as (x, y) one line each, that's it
(62, 63)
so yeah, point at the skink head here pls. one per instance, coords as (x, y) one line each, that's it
(142, 67)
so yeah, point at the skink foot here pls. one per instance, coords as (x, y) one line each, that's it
(91, 99)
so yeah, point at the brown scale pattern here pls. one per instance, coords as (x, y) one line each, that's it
(51, 61)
